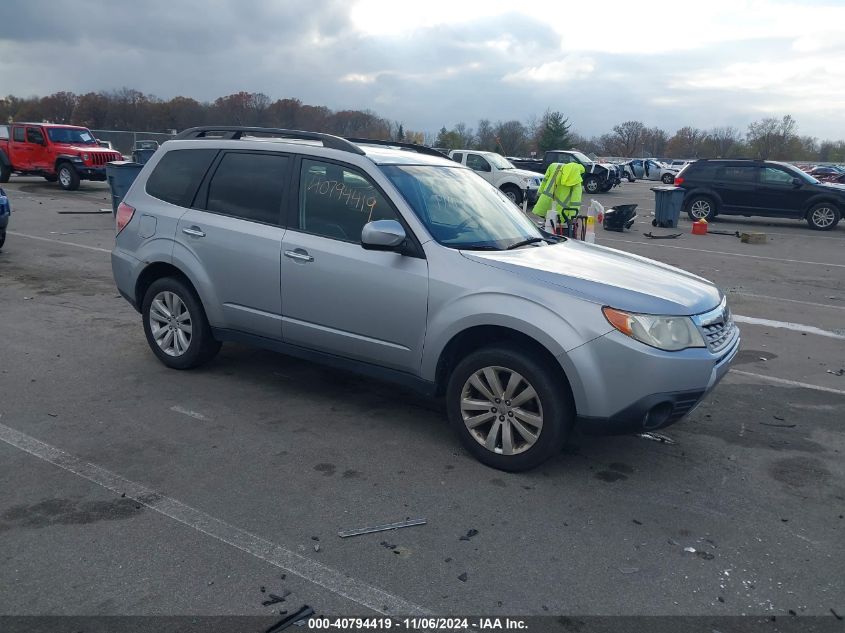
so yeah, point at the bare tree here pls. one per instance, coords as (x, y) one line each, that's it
(771, 137)
(628, 138)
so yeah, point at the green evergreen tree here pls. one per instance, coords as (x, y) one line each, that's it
(554, 132)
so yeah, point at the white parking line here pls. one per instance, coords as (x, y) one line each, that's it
(331, 579)
(786, 325)
(806, 303)
(702, 250)
(788, 383)
(47, 239)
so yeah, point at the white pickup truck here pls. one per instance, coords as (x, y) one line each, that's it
(500, 172)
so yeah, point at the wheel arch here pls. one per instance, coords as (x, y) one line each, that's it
(477, 337)
(701, 191)
(822, 197)
(153, 272)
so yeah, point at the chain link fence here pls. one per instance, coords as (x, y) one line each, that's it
(124, 141)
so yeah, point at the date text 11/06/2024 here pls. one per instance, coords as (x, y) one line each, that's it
(417, 624)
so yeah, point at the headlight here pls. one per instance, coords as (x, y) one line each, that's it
(670, 333)
(85, 157)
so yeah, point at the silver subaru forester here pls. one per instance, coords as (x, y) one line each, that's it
(393, 261)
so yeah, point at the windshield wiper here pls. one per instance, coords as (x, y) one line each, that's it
(475, 247)
(530, 240)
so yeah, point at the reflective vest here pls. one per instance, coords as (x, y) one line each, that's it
(562, 185)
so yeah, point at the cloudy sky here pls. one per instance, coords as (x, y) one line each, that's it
(429, 63)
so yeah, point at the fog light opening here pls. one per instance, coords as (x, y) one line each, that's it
(657, 415)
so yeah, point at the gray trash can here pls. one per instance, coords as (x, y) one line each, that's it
(120, 175)
(668, 201)
(141, 156)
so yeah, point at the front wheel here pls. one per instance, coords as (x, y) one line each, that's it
(667, 179)
(591, 184)
(5, 173)
(823, 216)
(701, 208)
(67, 177)
(511, 411)
(175, 324)
(513, 193)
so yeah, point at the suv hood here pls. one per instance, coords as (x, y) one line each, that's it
(837, 187)
(90, 149)
(608, 277)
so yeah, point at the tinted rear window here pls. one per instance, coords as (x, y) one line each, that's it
(701, 171)
(178, 174)
(249, 186)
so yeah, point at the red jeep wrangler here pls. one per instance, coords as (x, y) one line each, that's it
(66, 153)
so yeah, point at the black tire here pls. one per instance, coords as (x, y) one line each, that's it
(52, 178)
(631, 179)
(5, 173)
(823, 216)
(697, 205)
(591, 184)
(667, 179)
(202, 346)
(606, 187)
(553, 396)
(67, 177)
(513, 192)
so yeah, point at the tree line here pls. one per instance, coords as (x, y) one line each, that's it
(128, 109)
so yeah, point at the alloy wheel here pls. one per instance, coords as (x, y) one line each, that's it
(823, 217)
(64, 176)
(700, 209)
(170, 323)
(501, 410)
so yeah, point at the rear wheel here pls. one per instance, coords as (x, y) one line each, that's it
(175, 324)
(591, 184)
(823, 216)
(5, 173)
(67, 177)
(513, 192)
(701, 208)
(511, 411)
(667, 179)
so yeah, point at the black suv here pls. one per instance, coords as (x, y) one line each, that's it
(758, 187)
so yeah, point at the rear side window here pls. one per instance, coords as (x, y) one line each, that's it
(178, 174)
(736, 173)
(458, 157)
(4, 132)
(701, 171)
(249, 186)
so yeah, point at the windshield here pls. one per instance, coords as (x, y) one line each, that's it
(582, 158)
(459, 209)
(70, 135)
(803, 175)
(499, 162)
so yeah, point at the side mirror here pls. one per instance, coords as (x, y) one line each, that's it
(383, 235)
(796, 182)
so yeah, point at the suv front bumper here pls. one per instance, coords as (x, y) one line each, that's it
(623, 386)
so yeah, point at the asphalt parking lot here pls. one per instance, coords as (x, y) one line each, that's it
(244, 471)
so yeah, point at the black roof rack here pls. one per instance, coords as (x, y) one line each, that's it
(237, 131)
(415, 147)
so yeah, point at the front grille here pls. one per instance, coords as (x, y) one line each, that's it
(717, 327)
(98, 159)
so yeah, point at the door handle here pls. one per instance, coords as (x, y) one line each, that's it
(299, 255)
(193, 230)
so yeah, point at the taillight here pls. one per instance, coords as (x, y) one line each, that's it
(678, 181)
(124, 214)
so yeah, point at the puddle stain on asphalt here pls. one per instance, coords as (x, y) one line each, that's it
(67, 512)
(799, 472)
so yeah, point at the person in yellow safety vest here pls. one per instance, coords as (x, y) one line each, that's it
(560, 194)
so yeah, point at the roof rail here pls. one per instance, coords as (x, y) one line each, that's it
(238, 131)
(420, 149)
